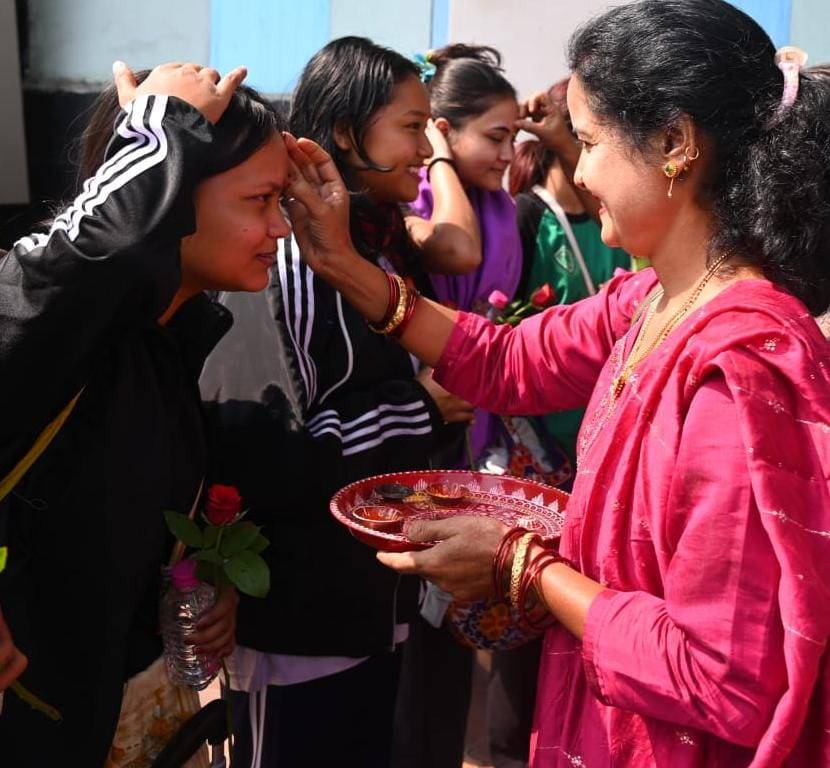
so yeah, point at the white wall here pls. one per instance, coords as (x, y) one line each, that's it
(530, 34)
(77, 40)
(14, 184)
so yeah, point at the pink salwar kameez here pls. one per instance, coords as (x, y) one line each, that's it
(701, 504)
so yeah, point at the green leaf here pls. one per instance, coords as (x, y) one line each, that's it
(260, 543)
(210, 574)
(183, 528)
(211, 533)
(238, 538)
(4, 554)
(249, 574)
(209, 556)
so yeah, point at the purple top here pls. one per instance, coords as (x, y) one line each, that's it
(501, 249)
(501, 269)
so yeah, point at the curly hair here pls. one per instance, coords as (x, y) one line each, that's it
(647, 64)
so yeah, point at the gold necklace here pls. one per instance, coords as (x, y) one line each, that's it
(636, 356)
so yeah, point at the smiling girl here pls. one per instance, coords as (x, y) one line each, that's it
(318, 656)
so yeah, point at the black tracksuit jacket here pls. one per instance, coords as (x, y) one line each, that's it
(86, 535)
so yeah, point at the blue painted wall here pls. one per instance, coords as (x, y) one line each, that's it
(440, 23)
(274, 38)
(773, 15)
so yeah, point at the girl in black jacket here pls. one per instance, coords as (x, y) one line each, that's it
(316, 666)
(110, 303)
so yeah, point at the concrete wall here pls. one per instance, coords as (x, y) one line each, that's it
(14, 180)
(531, 35)
(74, 42)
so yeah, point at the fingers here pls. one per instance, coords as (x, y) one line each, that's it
(217, 628)
(211, 74)
(302, 160)
(531, 126)
(322, 161)
(403, 562)
(433, 530)
(538, 102)
(229, 83)
(124, 80)
(12, 661)
(14, 668)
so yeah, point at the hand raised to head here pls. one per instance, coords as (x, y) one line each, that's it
(319, 208)
(201, 87)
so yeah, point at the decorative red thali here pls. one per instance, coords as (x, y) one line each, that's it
(375, 509)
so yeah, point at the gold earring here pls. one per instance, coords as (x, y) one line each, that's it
(671, 169)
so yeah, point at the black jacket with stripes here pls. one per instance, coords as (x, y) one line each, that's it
(86, 534)
(300, 353)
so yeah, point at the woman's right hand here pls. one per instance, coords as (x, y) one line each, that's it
(453, 409)
(201, 87)
(12, 662)
(319, 208)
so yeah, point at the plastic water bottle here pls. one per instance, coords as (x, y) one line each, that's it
(184, 600)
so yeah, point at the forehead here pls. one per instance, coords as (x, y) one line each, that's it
(501, 115)
(408, 96)
(582, 118)
(268, 165)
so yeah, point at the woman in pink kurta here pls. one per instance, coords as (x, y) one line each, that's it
(701, 502)
(692, 615)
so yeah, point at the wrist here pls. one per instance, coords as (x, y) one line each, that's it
(441, 161)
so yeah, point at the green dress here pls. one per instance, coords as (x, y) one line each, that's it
(549, 258)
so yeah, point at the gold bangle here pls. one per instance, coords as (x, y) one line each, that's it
(516, 571)
(400, 309)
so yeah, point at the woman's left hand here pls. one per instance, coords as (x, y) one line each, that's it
(438, 140)
(215, 633)
(462, 561)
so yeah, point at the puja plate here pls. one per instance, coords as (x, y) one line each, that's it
(439, 494)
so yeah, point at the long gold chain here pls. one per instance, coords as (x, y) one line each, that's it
(636, 355)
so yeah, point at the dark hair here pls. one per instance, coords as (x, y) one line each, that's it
(468, 81)
(533, 160)
(647, 64)
(247, 123)
(819, 72)
(344, 84)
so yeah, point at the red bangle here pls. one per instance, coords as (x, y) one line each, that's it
(533, 611)
(394, 297)
(410, 310)
(500, 559)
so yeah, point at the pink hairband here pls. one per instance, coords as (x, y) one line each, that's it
(789, 60)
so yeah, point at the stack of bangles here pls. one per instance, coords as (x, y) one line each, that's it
(517, 575)
(400, 309)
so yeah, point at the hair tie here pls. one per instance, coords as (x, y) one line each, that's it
(789, 60)
(426, 67)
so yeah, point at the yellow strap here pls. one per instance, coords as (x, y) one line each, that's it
(8, 483)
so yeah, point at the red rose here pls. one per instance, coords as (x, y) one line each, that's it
(223, 504)
(543, 297)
